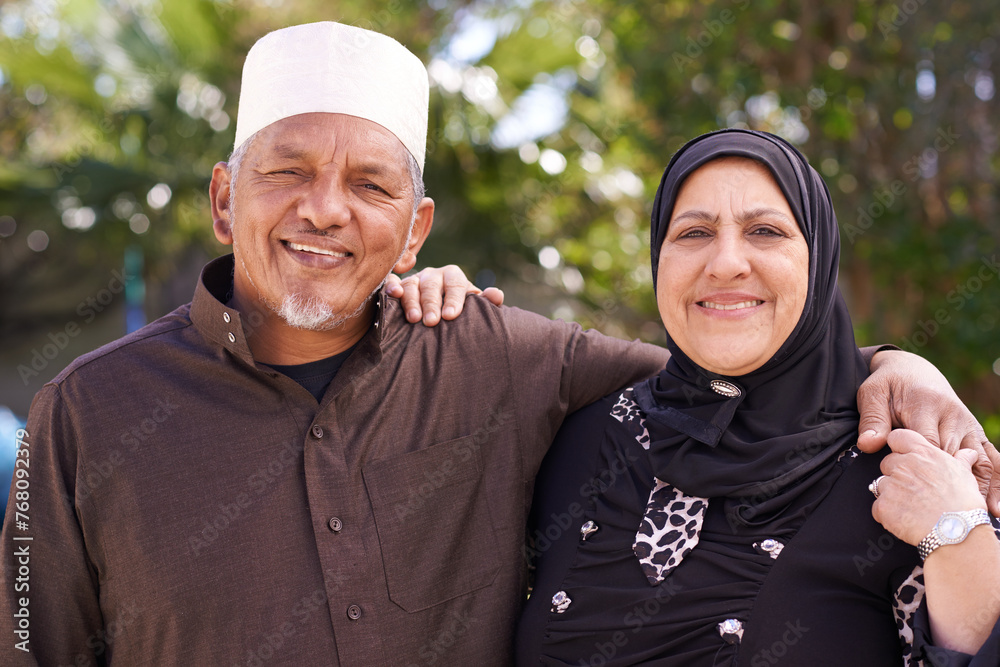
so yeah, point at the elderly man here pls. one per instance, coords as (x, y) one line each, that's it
(284, 470)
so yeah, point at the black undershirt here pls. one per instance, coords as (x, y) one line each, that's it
(315, 376)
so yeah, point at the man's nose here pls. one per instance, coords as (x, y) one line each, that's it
(325, 202)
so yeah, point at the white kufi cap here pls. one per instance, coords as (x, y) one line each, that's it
(335, 68)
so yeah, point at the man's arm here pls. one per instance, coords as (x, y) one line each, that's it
(49, 609)
(558, 367)
(903, 389)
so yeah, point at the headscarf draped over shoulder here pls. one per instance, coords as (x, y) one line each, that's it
(794, 414)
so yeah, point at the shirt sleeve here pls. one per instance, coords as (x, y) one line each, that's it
(869, 352)
(926, 653)
(558, 368)
(49, 595)
(914, 624)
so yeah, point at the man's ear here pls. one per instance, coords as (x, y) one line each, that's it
(422, 223)
(218, 193)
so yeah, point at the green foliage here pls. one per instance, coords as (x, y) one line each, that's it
(894, 103)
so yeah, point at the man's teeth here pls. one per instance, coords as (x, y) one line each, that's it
(732, 306)
(318, 251)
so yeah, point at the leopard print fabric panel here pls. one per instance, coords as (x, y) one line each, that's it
(669, 530)
(672, 521)
(628, 412)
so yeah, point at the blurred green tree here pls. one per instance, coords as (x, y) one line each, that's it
(550, 125)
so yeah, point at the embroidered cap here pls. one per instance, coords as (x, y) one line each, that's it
(335, 68)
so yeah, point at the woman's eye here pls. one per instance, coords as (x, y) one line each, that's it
(693, 234)
(766, 231)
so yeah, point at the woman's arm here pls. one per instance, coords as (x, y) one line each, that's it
(962, 580)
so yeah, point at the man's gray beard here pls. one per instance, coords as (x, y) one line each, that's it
(314, 314)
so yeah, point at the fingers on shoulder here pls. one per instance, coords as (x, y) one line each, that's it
(494, 295)
(904, 439)
(411, 299)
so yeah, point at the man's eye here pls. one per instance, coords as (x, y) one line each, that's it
(372, 186)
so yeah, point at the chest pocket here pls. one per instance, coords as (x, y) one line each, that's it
(433, 522)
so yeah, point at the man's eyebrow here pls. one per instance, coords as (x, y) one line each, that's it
(367, 167)
(289, 152)
(372, 168)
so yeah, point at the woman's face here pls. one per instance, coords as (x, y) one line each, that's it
(734, 267)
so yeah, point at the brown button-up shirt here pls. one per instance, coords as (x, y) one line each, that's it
(186, 505)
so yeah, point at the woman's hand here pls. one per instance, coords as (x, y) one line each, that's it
(962, 581)
(920, 483)
(907, 391)
(436, 293)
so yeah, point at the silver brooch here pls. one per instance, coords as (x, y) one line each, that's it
(769, 546)
(560, 602)
(731, 630)
(587, 529)
(725, 388)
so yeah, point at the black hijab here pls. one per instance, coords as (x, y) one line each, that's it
(792, 416)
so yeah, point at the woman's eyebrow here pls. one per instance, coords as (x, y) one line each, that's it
(743, 217)
(697, 216)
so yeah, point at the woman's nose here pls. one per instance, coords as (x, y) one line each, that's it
(729, 257)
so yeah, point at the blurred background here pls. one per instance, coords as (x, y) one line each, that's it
(550, 125)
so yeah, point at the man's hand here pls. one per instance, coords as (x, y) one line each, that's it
(907, 391)
(421, 294)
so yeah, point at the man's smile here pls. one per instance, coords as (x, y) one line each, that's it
(301, 247)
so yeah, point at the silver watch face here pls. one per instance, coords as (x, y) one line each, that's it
(951, 528)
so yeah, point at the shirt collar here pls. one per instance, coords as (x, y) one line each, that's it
(227, 327)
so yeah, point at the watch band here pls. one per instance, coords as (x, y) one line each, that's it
(951, 528)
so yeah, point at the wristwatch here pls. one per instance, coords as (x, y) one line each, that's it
(951, 528)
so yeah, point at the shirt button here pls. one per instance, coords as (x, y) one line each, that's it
(232, 338)
(317, 432)
(226, 318)
(560, 602)
(731, 631)
(770, 546)
(336, 524)
(354, 612)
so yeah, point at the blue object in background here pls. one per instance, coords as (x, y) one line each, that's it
(135, 289)
(9, 424)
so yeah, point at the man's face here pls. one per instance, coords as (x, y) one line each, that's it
(321, 213)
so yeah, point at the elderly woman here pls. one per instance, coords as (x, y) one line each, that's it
(719, 513)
